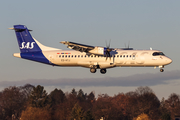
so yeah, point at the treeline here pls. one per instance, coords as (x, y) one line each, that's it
(33, 103)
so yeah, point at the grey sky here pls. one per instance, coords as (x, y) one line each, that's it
(144, 23)
(147, 79)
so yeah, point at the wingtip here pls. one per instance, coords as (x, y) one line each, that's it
(64, 42)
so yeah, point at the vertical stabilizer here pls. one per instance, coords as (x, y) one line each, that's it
(29, 47)
(25, 40)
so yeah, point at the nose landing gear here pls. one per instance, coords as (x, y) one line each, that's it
(161, 70)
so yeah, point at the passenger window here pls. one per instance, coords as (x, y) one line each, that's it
(59, 55)
(85, 56)
(127, 56)
(62, 55)
(69, 56)
(120, 55)
(75, 56)
(117, 55)
(81, 55)
(72, 56)
(65, 55)
(78, 55)
(124, 56)
(130, 56)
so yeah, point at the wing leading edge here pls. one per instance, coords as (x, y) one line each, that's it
(96, 50)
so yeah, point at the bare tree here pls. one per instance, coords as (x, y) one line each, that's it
(27, 89)
(148, 102)
(102, 107)
(12, 102)
(173, 104)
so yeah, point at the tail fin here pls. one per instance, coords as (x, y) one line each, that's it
(25, 40)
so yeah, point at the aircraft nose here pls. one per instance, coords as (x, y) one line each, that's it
(169, 61)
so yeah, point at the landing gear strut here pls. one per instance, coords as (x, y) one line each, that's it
(161, 70)
(92, 70)
(103, 71)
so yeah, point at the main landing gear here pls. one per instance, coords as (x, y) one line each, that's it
(103, 71)
(93, 70)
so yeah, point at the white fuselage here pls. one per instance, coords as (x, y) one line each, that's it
(132, 58)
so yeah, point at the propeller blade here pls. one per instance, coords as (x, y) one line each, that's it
(108, 50)
(109, 43)
(106, 43)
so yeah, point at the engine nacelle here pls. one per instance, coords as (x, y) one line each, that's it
(98, 51)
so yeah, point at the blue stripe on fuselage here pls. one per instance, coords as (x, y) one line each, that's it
(36, 56)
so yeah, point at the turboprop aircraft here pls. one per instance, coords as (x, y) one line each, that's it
(93, 57)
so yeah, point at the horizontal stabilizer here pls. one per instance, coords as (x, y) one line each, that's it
(17, 55)
(18, 29)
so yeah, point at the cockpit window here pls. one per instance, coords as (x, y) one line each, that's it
(158, 53)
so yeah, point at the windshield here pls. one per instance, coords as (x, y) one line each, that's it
(158, 53)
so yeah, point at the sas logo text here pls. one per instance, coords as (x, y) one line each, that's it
(27, 45)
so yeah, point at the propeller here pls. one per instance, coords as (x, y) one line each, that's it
(127, 47)
(108, 50)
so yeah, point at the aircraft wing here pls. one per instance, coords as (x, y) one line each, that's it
(88, 49)
(77, 46)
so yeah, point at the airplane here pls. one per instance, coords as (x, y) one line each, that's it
(93, 57)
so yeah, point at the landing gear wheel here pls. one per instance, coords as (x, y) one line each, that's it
(92, 70)
(161, 70)
(103, 71)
